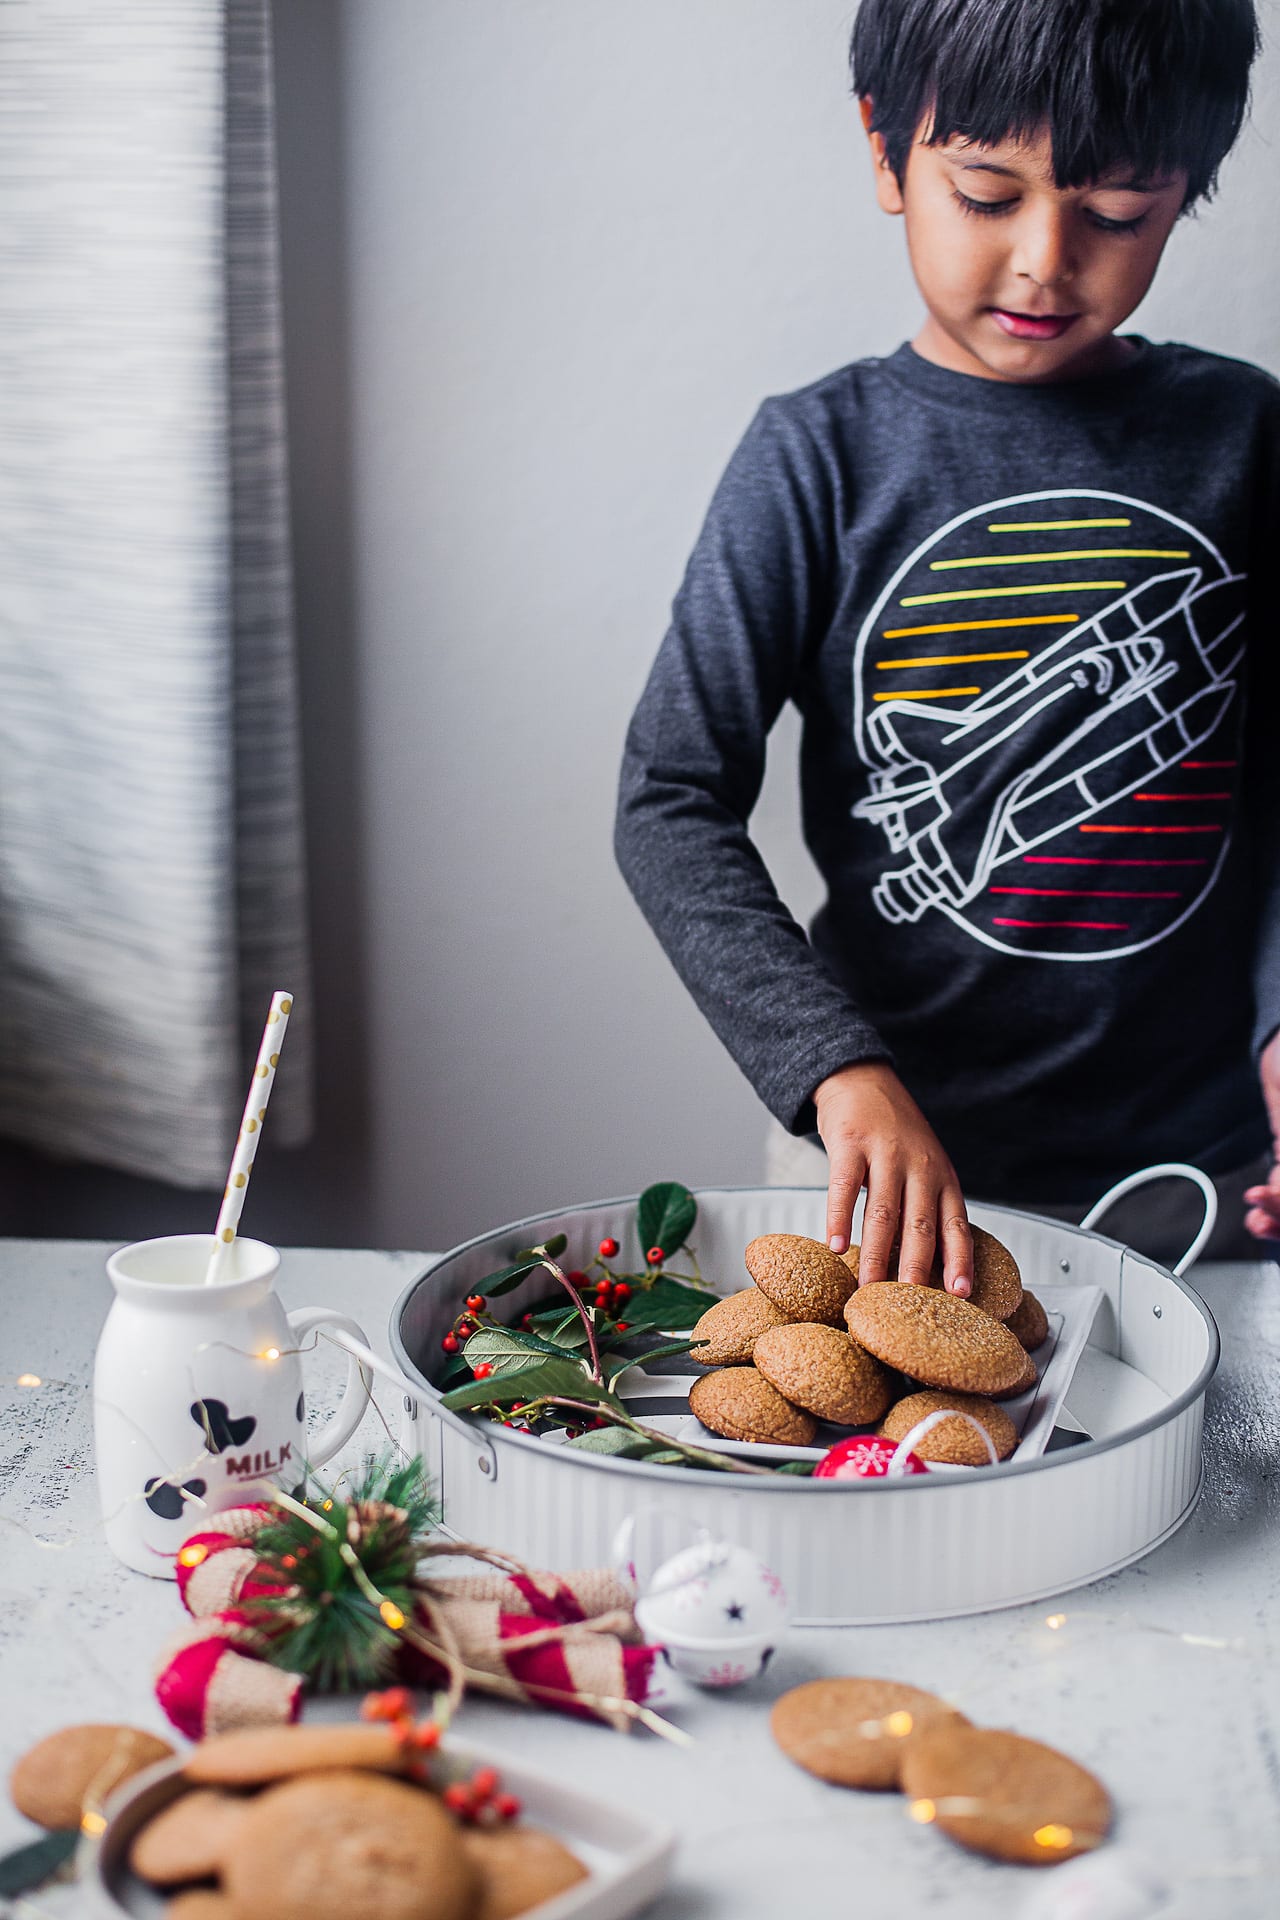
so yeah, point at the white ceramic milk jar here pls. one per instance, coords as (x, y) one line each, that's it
(198, 1400)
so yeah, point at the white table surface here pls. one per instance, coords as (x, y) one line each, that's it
(1187, 1737)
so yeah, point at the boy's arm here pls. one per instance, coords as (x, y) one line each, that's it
(1262, 807)
(753, 604)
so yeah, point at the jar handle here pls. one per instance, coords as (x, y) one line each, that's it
(355, 1397)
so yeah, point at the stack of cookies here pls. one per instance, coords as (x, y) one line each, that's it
(805, 1344)
(996, 1793)
(314, 1823)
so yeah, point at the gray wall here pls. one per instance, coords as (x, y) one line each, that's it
(582, 240)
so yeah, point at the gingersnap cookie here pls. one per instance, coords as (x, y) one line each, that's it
(519, 1868)
(802, 1277)
(199, 1903)
(996, 1285)
(727, 1332)
(740, 1404)
(952, 1441)
(825, 1372)
(934, 1338)
(854, 1733)
(78, 1767)
(189, 1839)
(1028, 1323)
(329, 1846)
(1010, 1798)
(1023, 1384)
(255, 1755)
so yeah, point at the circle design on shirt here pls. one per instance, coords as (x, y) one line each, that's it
(1046, 696)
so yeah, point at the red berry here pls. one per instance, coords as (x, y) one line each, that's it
(475, 1303)
(483, 1371)
(526, 1321)
(578, 1278)
(450, 1343)
(426, 1736)
(655, 1256)
(621, 1326)
(457, 1798)
(484, 1783)
(466, 1328)
(621, 1292)
(506, 1806)
(573, 1432)
(607, 1249)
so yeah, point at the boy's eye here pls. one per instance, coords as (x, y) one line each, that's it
(982, 206)
(994, 208)
(1105, 225)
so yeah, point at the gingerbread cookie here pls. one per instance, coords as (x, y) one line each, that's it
(740, 1404)
(935, 1338)
(952, 1441)
(727, 1332)
(255, 1755)
(997, 1283)
(519, 1868)
(802, 1277)
(1001, 1795)
(78, 1767)
(330, 1846)
(1029, 1323)
(825, 1372)
(855, 1733)
(1023, 1384)
(189, 1839)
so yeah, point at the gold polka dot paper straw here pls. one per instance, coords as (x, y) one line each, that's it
(255, 1112)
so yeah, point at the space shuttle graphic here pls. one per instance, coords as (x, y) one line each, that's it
(1118, 700)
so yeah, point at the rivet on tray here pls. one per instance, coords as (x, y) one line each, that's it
(484, 1464)
(1065, 1265)
(1158, 1312)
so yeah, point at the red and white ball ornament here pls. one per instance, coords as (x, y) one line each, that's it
(867, 1456)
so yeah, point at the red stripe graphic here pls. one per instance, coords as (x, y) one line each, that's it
(1083, 860)
(1093, 926)
(1189, 766)
(1092, 829)
(1182, 796)
(1090, 893)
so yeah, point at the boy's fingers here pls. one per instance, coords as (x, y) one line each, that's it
(844, 1184)
(1263, 1226)
(919, 1235)
(957, 1244)
(879, 1227)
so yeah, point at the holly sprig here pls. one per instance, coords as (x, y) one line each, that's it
(558, 1368)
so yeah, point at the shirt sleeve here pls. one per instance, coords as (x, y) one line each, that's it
(754, 601)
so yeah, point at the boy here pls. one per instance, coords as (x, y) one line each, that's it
(1019, 578)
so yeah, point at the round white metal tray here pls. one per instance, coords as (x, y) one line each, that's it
(1122, 1473)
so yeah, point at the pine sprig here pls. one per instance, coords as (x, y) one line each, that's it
(338, 1581)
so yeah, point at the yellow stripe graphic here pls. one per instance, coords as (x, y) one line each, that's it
(977, 626)
(1049, 526)
(1079, 553)
(950, 659)
(926, 693)
(1003, 593)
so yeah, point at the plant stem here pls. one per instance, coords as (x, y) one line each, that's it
(720, 1462)
(559, 1274)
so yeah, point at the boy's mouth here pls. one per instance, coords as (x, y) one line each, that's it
(1032, 326)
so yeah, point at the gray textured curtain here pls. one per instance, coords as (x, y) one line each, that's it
(151, 862)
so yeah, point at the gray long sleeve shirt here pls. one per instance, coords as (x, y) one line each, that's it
(1032, 636)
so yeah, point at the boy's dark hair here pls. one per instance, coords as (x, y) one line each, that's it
(1153, 84)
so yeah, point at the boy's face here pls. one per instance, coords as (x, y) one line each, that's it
(1024, 280)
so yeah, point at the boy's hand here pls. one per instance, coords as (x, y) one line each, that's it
(1263, 1217)
(876, 1136)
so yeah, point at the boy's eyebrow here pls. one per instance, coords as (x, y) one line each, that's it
(1101, 186)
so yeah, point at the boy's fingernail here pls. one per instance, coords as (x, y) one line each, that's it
(837, 1243)
(961, 1287)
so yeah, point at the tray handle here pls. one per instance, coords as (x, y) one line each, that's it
(1166, 1170)
(487, 1459)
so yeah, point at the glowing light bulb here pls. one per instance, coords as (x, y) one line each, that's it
(922, 1812)
(898, 1725)
(1056, 1620)
(30, 1380)
(391, 1615)
(1053, 1836)
(271, 1353)
(92, 1823)
(192, 1555)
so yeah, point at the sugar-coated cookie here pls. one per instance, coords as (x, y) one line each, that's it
(1010, 1798)
(519, 1867)
(727, 1332)
(825, 1371)
(189, 1839)
(802, 1277)
(739, 1403)
(952, 1441)
(1029, 1323)
(1023, 1384)
(934, 1338)
(855, 1733)
(60, 1776)
(199, 1903)
(331, 1846)
(255, 1755)
(997, 1283)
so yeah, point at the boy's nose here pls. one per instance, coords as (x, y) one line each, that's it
(1044, 250)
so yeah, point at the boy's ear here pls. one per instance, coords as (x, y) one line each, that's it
(888, 190)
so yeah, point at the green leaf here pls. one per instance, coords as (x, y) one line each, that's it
(665, 1214)
(667, 1457)
(508, 1277)
(800, 1469)
(552, 1248)
(561, 1379)
(505, 1347)
(563, 1329)
(618, 1441)
(668, 1306)
(666, 1351)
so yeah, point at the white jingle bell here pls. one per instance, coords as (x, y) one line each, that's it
(716, 1611)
